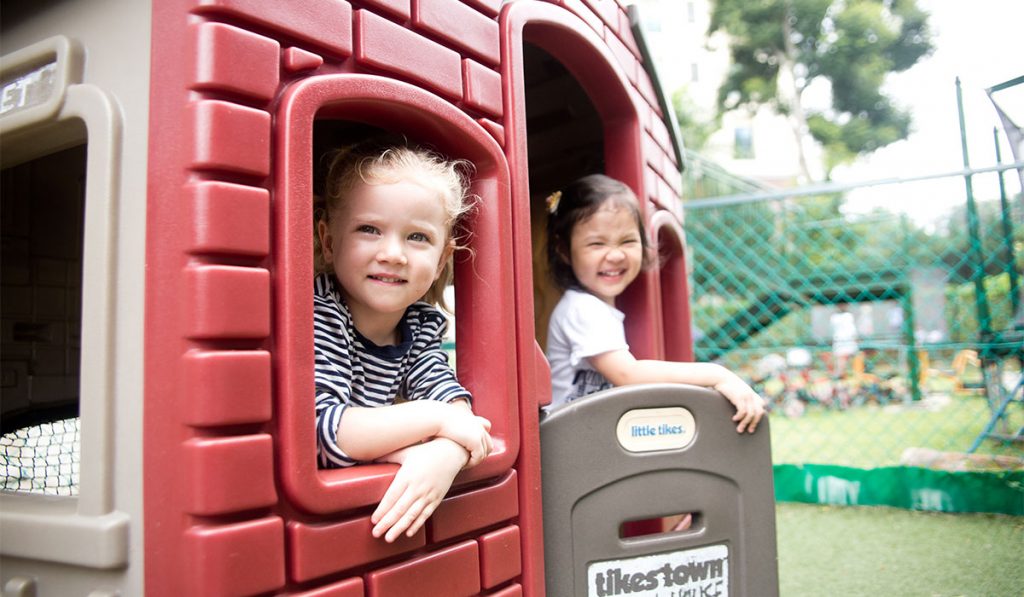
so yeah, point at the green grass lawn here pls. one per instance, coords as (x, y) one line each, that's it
(853, 551)
(827, 551)
(873, 436)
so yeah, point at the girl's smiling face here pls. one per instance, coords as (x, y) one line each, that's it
(606, 251)
(388, 243)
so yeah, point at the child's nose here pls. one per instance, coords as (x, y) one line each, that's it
(391, 250)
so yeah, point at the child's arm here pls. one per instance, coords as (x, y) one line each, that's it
(426, 474)
(622, 369)
(367, 434)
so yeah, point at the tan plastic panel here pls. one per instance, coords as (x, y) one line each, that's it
(89, 533)
(593, 484)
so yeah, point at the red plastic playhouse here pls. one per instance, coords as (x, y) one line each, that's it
(188, 133)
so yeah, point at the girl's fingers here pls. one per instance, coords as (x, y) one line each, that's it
(756, 413)
(748, 413)
(421, 519)
(404, 521)
(392, 515)
(391, 497)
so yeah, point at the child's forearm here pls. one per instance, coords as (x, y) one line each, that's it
(708, 375)
(370, 433)
(620, 368)
(457, 453)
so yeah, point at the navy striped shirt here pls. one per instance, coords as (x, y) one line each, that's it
(352, 370)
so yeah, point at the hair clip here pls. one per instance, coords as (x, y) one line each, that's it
(553, 200)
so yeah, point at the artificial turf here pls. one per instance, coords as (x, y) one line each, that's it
(832, 551)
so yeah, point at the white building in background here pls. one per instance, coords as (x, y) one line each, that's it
(760, 145)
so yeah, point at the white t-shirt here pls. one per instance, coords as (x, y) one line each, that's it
(844, 333)
(581, 326)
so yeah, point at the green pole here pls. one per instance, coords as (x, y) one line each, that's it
(973, 226)
(1004, 209)
(907, 304)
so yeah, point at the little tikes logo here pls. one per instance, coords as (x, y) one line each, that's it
(652, 429)
(701, 572)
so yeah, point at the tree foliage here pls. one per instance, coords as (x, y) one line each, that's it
(779, 48)
(694, 126)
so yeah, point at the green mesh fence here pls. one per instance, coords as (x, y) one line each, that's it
(935, 378)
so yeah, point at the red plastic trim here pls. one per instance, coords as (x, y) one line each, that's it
(500, 557)
(239, 559)
(607, 10)
(486, 360)
(675, 296)
(230, 219)
(230, 137)
(352, 587)
(236, 61)
(325, 23)
(583, 51)
(460, 26)
(483, 87)
(218, 467)
(400, 8)
(227, 301)
(313, 548)
(475, 510)
(296, 59)
(210, 376)
(393, 48)
(451, 572)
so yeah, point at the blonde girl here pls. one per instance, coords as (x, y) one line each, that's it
(384, 389)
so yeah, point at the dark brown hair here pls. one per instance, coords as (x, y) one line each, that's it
(574, 204)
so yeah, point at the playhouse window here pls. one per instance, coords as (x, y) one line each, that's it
(59, 155)
(42, 221)
(743, 143)
(331, 111)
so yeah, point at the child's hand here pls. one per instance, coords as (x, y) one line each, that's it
(424, 478)
(469, 431)
(749, 406)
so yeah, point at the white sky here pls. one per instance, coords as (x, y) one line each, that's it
(979, 41)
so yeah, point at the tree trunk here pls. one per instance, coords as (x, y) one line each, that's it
(791, 92)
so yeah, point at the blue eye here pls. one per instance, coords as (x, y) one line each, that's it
(367, 229)
(419, 237)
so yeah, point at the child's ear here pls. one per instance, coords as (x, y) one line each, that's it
(326, 240)
(446, 255)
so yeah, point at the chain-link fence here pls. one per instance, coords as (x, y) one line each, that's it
(882, 335)
(42, 458)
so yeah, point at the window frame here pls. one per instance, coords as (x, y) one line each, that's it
(85, 530)
(483, 278)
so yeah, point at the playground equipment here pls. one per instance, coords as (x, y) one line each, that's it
(995, 346)
(159, 162)
(632, 455)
